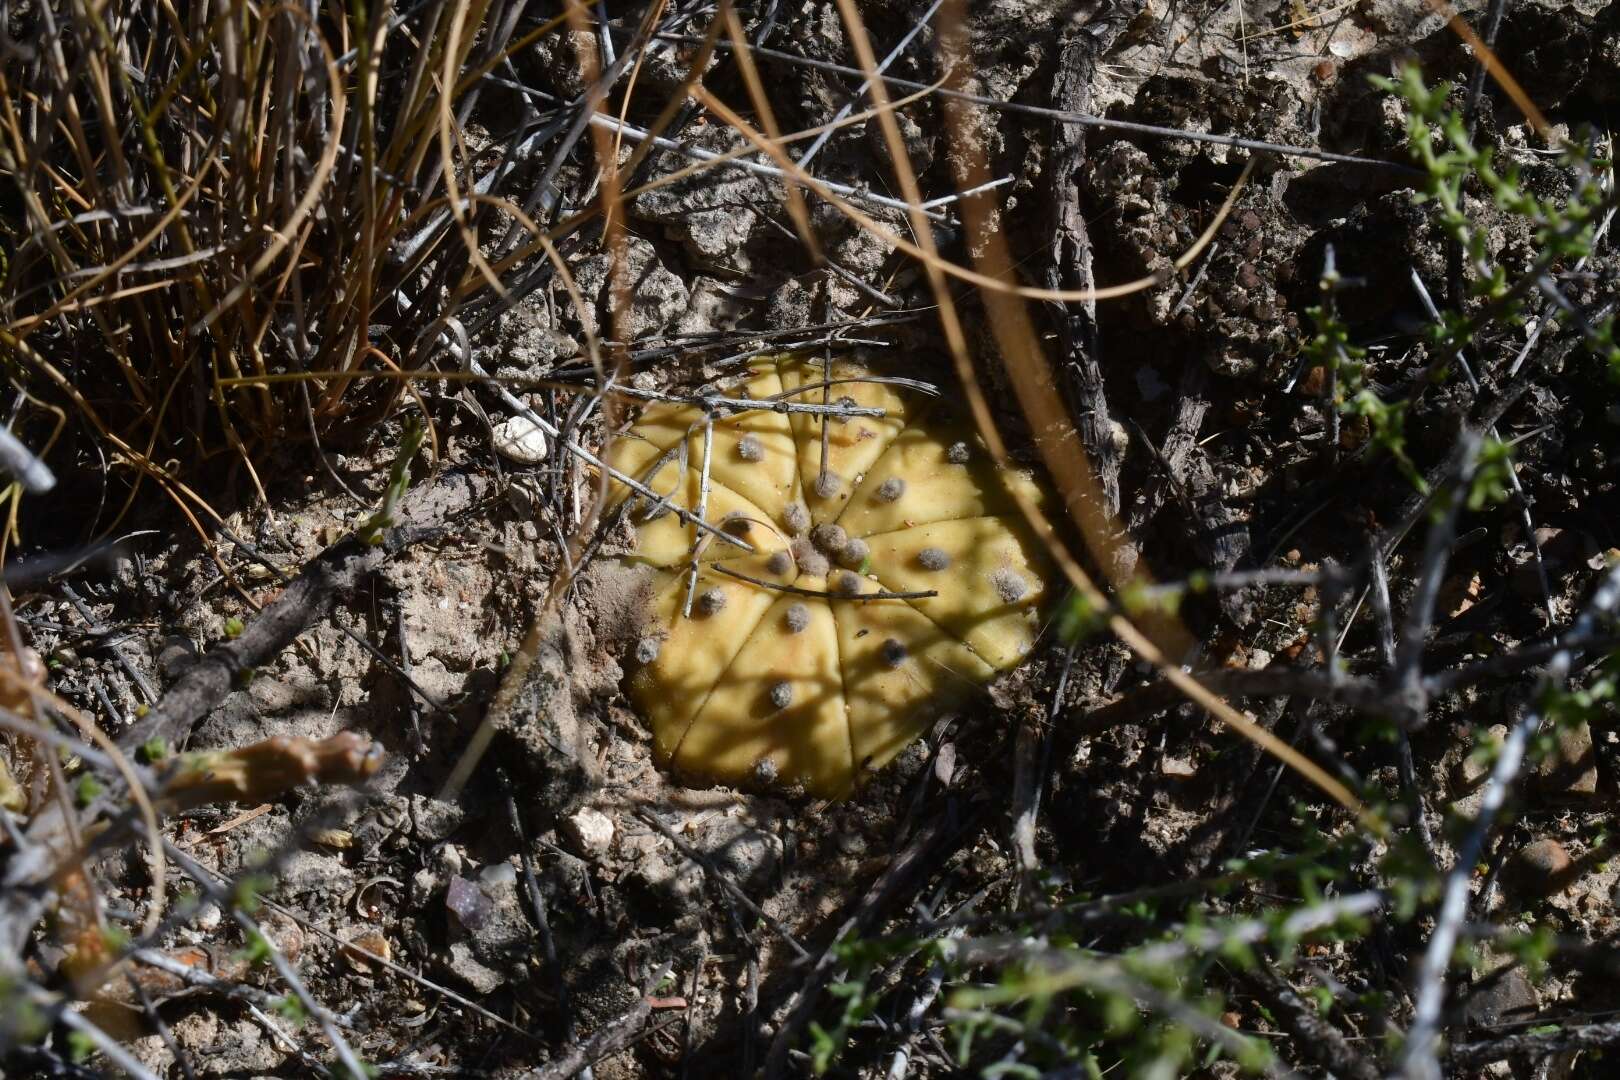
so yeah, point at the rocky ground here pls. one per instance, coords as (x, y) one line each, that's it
(572, 890)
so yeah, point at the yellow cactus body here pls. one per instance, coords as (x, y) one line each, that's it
(771, 667)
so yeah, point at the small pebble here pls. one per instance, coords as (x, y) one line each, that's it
(712, 601)
(365, 946)
(827, 484)
(1177, 768)
(781, 694)
(796, 518)
(890, 490)
(589, 832)
(798, 618)
(519, 439)
(933, 558)
(828, 537)
(749, 448)
(893, 653)
(1008, 585)
(1540, 868)
(647, 650)
(208, 917)
(958, 453)
(847, 584)
(779, 562)
(854, 554)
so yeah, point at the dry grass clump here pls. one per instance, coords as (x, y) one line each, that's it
(214, 216)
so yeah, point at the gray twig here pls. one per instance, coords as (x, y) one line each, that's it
(1418, 1059)
(824, 594)
(1067, 117)
(608, 1039)
(1407, 677)
(720, 878)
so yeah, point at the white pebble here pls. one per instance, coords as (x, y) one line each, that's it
(589, 832)
(519, 439)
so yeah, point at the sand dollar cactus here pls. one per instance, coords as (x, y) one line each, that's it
(890, 575)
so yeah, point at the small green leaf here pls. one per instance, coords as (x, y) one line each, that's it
(87, 789)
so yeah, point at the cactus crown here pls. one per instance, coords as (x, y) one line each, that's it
(778, 662)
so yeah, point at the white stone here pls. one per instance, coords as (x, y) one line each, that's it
(589, 831)
(1177, 768)
(519, 439)
(208, 917)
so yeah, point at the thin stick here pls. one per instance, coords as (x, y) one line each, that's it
(1407, 678)
(548, 940)
(1513, 474)
(826, 425)
(854, 194)
(278, 959)
(775, 403)
(1418, 1059)
(686, 516)
(866, 82)
(106, 1044)
(725, 882)
(702, 509)
(824, 594)
(1082, 119)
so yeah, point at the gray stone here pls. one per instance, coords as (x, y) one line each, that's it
(530, 345)
(461, 963)
(433, 820)
(709, 212)
(1472, 770)
(657, 296)
(490, 933)
(749, 855)
(1540, 868)
(1505, 995)
(313, 873)
(1177, 768)
(1570, 771)
(671, 875)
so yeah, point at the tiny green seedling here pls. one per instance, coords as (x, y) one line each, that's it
(890, 575)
